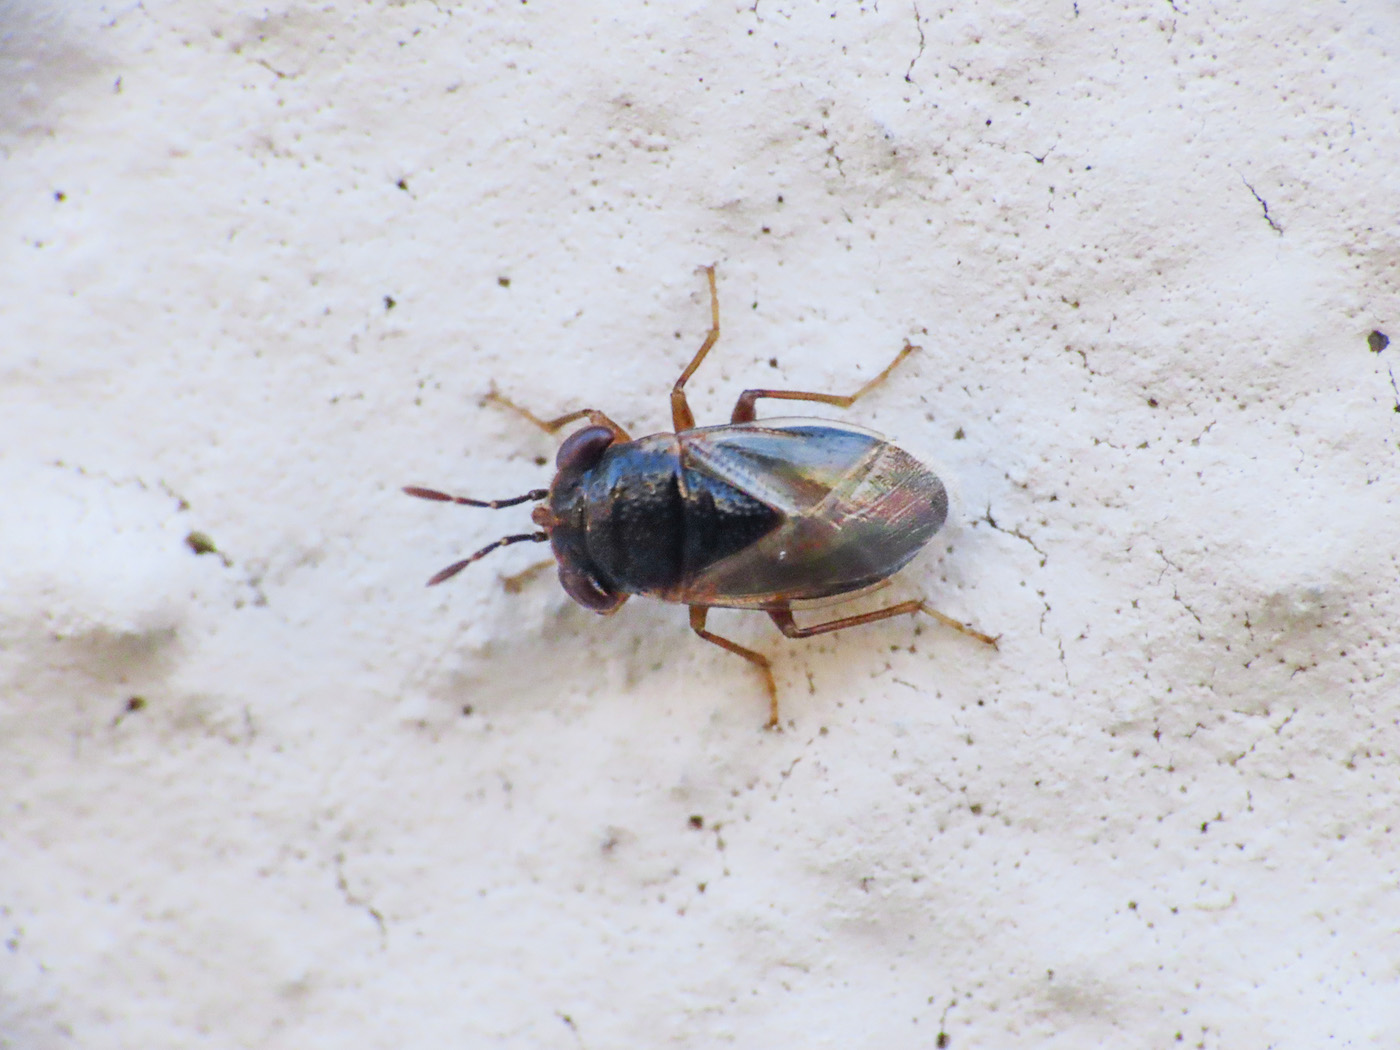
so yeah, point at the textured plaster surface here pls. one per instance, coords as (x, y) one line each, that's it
(262, 261)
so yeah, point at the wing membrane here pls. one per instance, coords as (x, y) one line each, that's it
(855, 509)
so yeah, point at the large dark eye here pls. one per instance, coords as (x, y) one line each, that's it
(583, 589)
(583, 449)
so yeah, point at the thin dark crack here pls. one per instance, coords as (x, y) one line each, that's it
(352, 899)
(1396, 389)
(1176, 594)
(1083, 359)
(569, 1023)
(918, 24)
(1110, 444)
(272, 69)
(943, 1039)
(1265, 205)
(1017, 533)
(1162, 554)
(784, 774)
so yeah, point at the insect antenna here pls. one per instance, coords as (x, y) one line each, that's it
(505, 541)
(534, 495)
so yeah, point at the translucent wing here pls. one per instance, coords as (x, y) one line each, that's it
(851, 509)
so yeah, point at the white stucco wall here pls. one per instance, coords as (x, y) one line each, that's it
(1142, 246)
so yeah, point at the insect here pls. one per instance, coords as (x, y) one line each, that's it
(749, 515)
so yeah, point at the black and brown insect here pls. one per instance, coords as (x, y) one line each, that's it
(754, 514)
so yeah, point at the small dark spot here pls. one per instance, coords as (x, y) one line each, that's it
(60, 196)
(701, 886)
(1205, 824)
(697, 821)
(402, 184)
(467, 710)
(504, 282)
(201, 543)
(772, 362)
(989, 123)
(1377, 341)
(135, 703)
(780, 198)
(766, 229)
(958, 434)
(541, 460)
(1151, 402)
(975, 809)
(390, 302)
(1132, 905)
(942, 1041)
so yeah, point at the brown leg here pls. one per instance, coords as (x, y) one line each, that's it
(515, 583)
(550, 426)
(744, 411)
(697, 624)
(783, 618)
(681, 416)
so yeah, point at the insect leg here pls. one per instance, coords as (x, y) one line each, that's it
(515, 583)
(550, 426)
(681, 416)
(697, 624)
(744, 410)
(785, 623)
